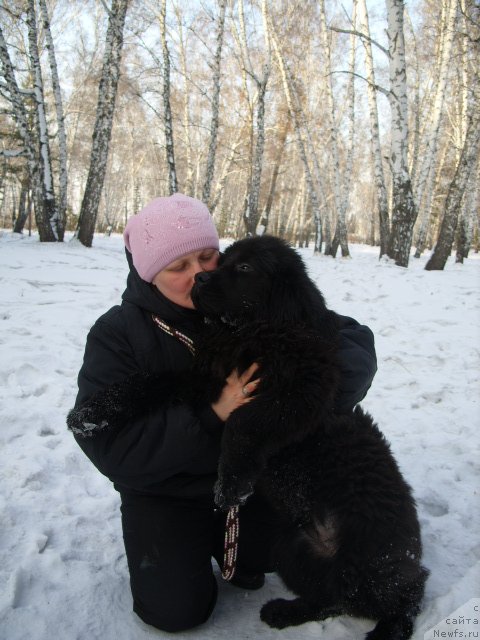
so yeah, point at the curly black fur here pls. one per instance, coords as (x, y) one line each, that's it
(350, 540)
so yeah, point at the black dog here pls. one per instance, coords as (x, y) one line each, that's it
(350, 540)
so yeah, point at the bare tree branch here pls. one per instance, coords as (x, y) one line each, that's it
(377, 87)
(360, 35)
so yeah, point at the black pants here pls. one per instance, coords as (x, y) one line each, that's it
(169, 544)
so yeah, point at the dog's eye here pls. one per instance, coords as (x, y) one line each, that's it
(244, 267)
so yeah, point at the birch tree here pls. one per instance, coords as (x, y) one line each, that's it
(466, 223)
(24, 205)
(466, 164)
(318, 179)
(167, 110)
(44, 156)
(216, 69)
(467, 141)
(46, 225)
(340, 236)
(296, 120)
(227, 168)
(102, 132)
(284, 125)
(379, 174)
(251, 212)
(425, 184)
(189, 186)
(404, 210)
(62, 137)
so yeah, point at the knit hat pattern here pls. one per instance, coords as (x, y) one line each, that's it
(166, 229)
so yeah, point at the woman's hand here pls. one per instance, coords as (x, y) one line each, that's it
(236, 392)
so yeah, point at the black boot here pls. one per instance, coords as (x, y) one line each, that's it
(247, 579)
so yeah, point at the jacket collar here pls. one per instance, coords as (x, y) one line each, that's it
(146, 296)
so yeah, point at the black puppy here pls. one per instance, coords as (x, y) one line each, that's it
(350, 539)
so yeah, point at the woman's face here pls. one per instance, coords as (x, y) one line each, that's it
(176, 280)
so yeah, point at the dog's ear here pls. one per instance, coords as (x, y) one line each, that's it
(295, 301)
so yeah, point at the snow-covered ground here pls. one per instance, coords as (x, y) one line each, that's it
(63, 572)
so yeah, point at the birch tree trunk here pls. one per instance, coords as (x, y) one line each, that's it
(425, 231)
(381, 189)
(465, 227)
(404, 211)
(22, 206)
(416, 105)
(340, 236)
(19, 110)
(212, 148)
(45, 158)
(251, 213)
(280, 146)
(465, 166)
(107, 93)
(189, 186)
(295, 117)
(62, 138)
(425, 184)
(226, 169)
(167, 110)
(319, 181)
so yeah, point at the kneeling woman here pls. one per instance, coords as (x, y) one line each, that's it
(164, 462)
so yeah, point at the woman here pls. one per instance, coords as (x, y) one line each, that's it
(164, 463)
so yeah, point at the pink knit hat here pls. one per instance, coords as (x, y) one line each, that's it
(167, 229)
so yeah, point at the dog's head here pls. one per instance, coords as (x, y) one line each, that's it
(259, 279)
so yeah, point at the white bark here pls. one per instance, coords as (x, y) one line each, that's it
(189, 187)
(62, 138)
(465, 167)
(404, 211)
(341, 227)
(41, 121)
(425, 184)
(381, 189)
(265, 217)
(416, 104)
(317, 175)
(298, 135)
(300, 143)
(212, 148)
(226, 169)
(16, 98)
(107, 93)
(251, 213)
(469, 213)
(167, 111)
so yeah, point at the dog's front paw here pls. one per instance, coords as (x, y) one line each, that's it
(232, 492)
(276, 613)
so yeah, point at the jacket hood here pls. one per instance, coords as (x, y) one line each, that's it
(146, 296)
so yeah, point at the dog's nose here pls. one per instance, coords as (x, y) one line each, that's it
(202, 277)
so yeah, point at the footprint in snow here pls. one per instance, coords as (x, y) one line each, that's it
(46, 431)
(434, 506)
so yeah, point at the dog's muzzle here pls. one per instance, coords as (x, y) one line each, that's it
(202, 277)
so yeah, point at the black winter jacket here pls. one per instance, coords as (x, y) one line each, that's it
(171, 450)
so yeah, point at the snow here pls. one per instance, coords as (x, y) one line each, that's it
(63, 571)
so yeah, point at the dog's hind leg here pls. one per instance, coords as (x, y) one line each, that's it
(304, 557)
(398, 627)
(397, 608)
(282, 613)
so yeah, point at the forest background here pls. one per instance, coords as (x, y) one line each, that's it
(315, 120)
